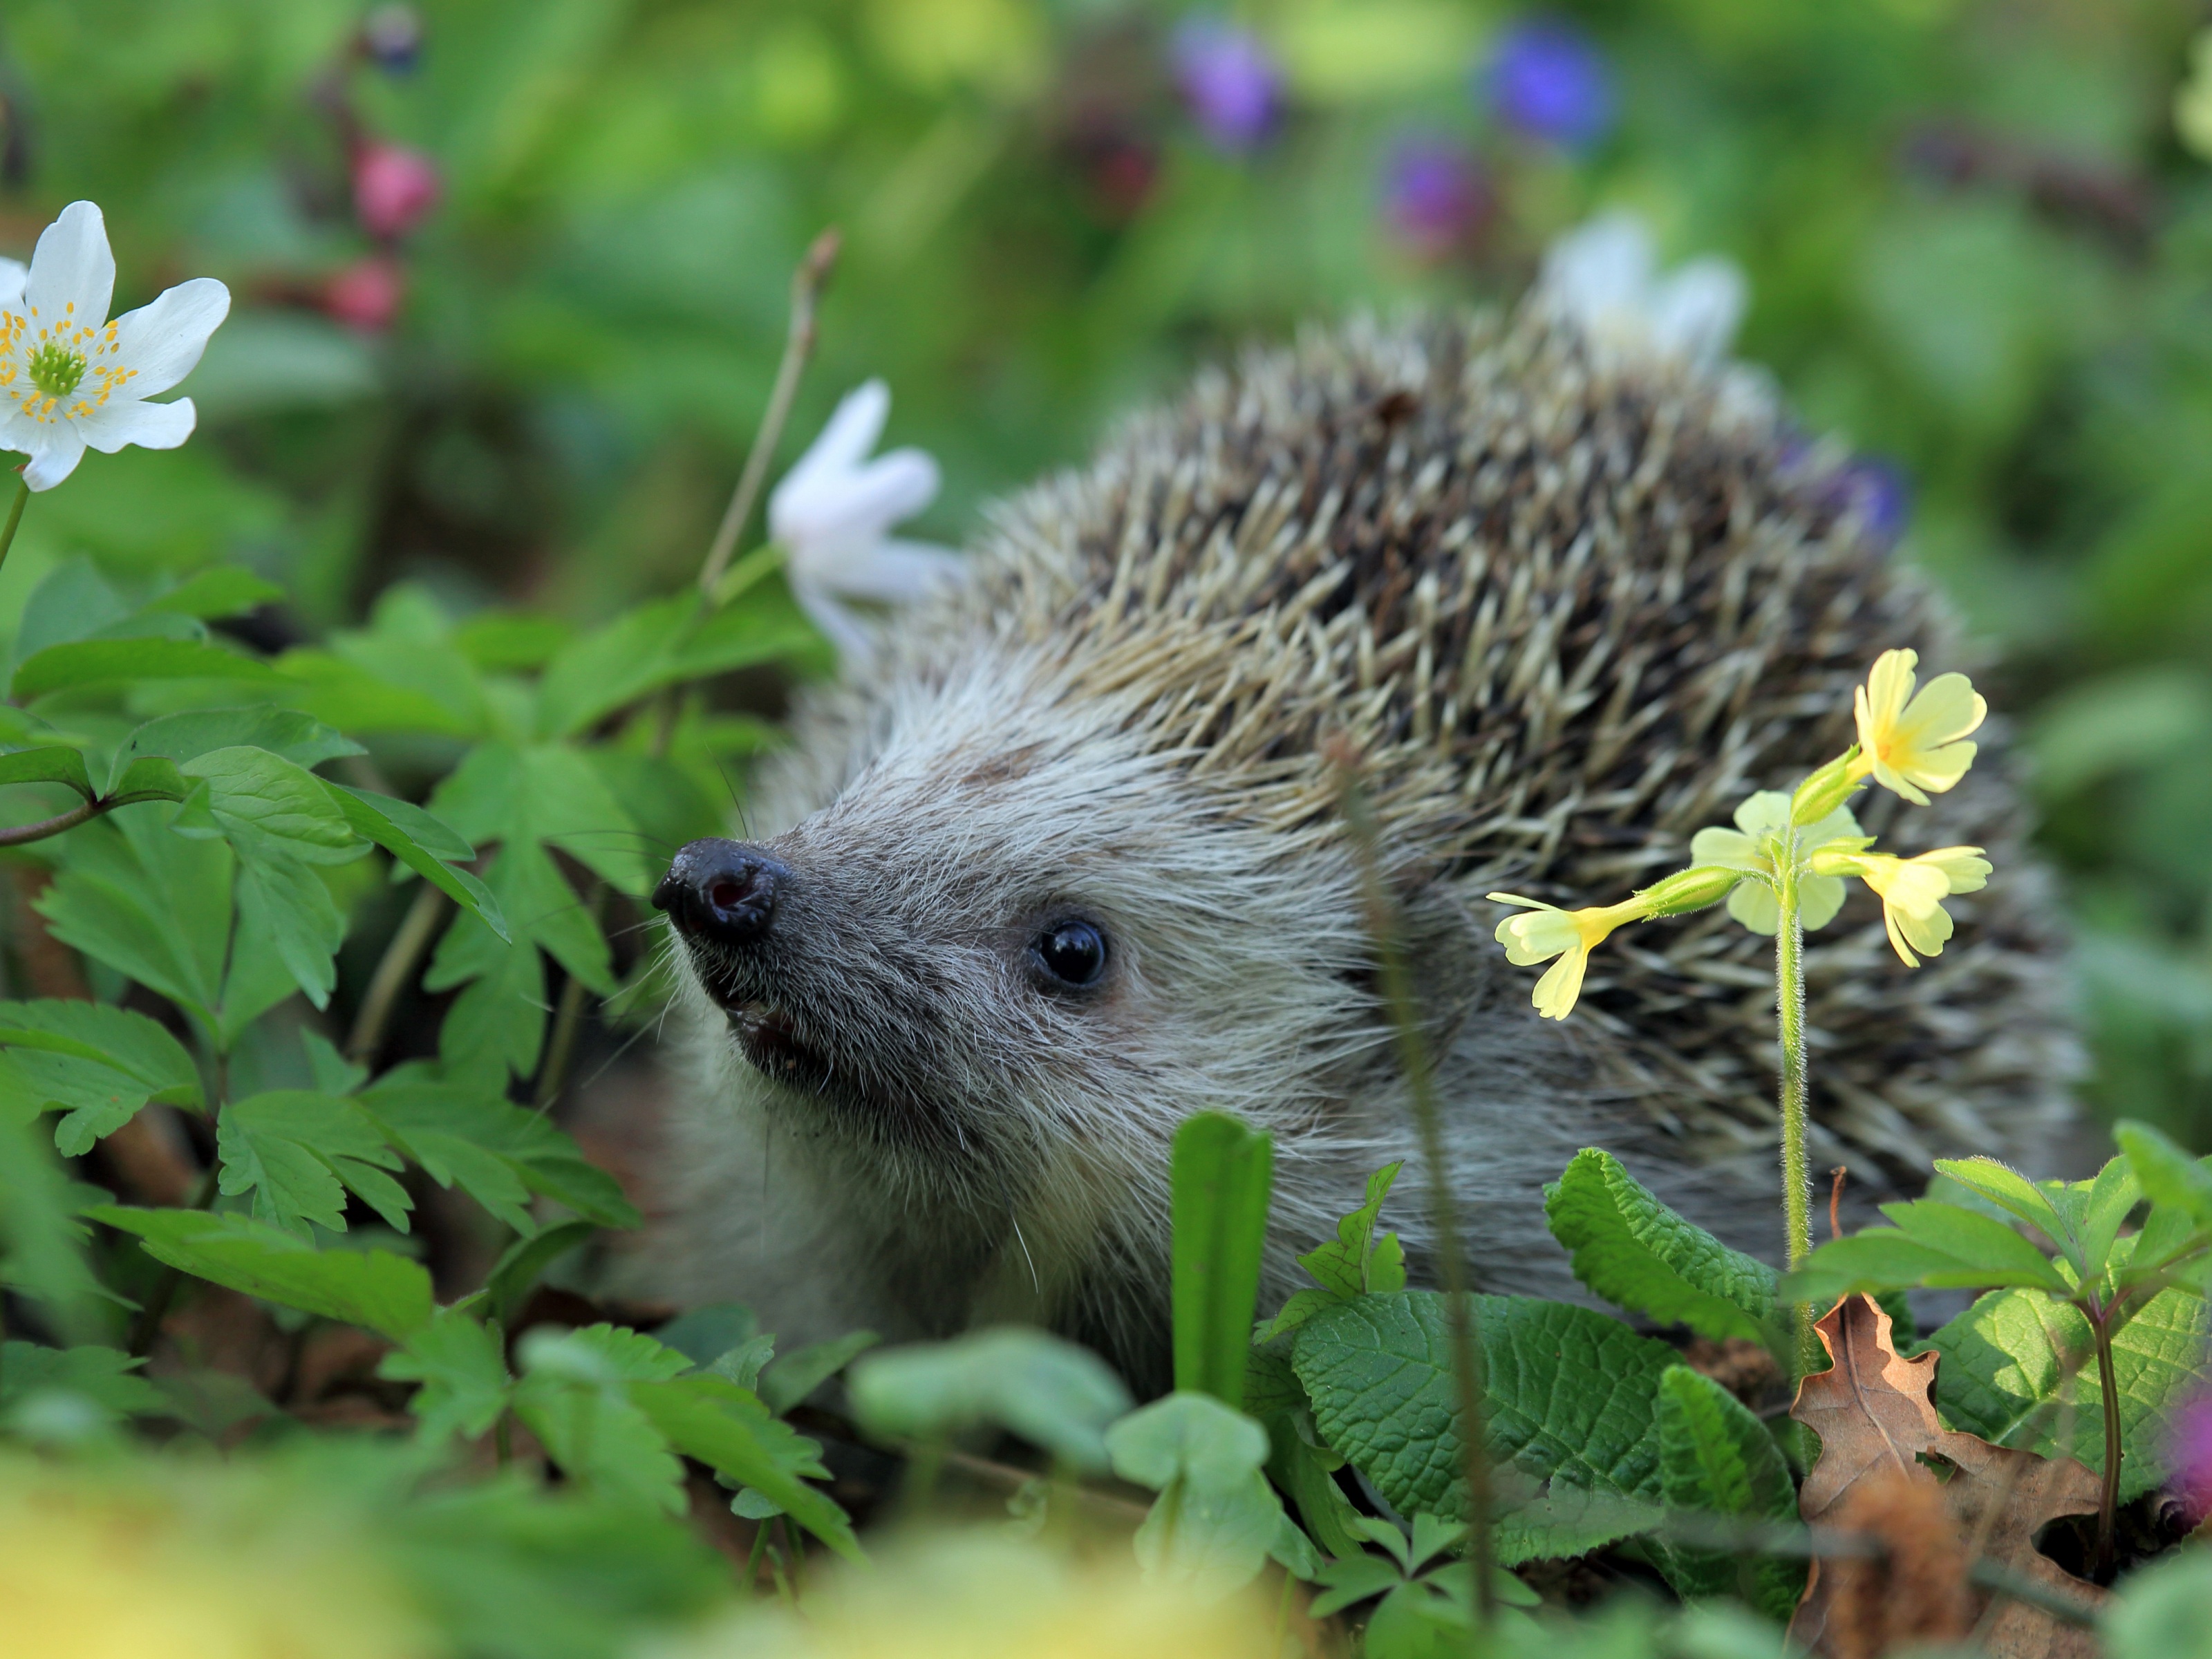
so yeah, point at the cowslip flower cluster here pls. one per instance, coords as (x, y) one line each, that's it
(69, 378)
(1789, 856)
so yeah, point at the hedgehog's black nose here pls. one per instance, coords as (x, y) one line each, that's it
(723, 891)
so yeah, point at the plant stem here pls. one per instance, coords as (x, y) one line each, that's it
(148, 1326)
(22, 834)
(806, 286)
(14, 518)
(2108, 1500)
(568, 1016)
(393, 969)
(1451, 1264)
(1790, 1028)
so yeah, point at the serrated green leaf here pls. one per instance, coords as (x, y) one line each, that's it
(1570, 1393)
(729, 1429)
(1977, 1243)
(98, 1064)
(1716, 1458)
(1638, 1254)
(1357, 1262)
(653, 646)
(457, 1361)
(2007, 1360)
(602, 1441)
(1220, 1178)
(423, 845)
(104, 662)
(106, 1376)
(257, 796)
(790, 1378)
(492, 1149)
(2008, 1189)
(283, 906)
(603, 1354)
(41, 1239)
(1049, 1392)
(49, 764)
(285, 733)
(386, 1293)
(2168, 1174)
(299, 1153)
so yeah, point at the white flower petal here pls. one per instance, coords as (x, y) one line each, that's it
(851, 433)
(1694, 313)
(893, 571)
(861, 505)
(60, 448)
(150, 426)
(1599, 269)
(72, 267)
(14, 273)
(843, 629)
(163, 341)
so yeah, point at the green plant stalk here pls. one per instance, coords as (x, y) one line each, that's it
(2108, 1499)
(1420, 1079)
(393, 969)
(14, 518)
(1790, 1029)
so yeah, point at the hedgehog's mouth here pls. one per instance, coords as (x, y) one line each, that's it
(773, 1048)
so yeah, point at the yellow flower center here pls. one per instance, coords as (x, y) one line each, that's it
(56, 370)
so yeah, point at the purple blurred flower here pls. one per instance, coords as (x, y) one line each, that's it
(1876, 490)
(1547, 80)
(1230, 80)
(1435, 195)
(2190, 1455)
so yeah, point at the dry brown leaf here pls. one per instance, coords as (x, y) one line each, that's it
(1875, 1412)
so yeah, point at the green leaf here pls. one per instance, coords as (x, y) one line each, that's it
(258, 797)
(653, 646)
(1051, 1393)
(2009, 1190)
(103, 662)
(496, 1151)
(1716, 1458)
(283, 906)
(49, 764)
(41, 1240)
(423, 845)
(386, 1293)
(603, 1354)
(525, 1261)
(1570, 1393)
(790, 1378)
(299, 1153)
(151, 778)
(1978, 1243)
(2157, 1612)
(1358, 1263)
(602, 1441)
(1220, 1180)
(459, 1362)
(1216, 1518)
(1638, 1254)
(286, 732)
(106, 1376)
(2168, 1174)
(729, 1429)
(225, 590)
(98, 1064)
(2111, 1196)
(2007, 1360)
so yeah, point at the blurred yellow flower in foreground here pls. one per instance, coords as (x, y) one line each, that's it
(2192, 101)
(187, 1565)
(1547, 932)
(984, 1596)
(1911, 744)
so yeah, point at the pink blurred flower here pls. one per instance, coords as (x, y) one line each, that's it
(366, 293)
(2190, 1455)
(394, 188)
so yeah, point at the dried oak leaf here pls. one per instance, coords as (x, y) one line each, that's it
(1876, 1416)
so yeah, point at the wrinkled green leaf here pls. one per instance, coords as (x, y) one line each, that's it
(1716, 1458)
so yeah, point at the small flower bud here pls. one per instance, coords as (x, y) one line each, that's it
(394, 188)
(1826, 790)
(1688, 890)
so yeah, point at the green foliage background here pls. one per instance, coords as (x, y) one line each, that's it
(1974, 245)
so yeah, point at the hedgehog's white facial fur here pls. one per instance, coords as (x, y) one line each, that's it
(895, 1008)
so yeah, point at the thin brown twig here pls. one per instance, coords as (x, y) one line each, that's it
(1836, 1200)
(806, 285)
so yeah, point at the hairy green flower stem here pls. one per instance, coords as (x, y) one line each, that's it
(14, 518)
(1421, 1083)
(718, 585)
(1789, 1029)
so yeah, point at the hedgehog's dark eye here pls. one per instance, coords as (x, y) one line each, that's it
(1072, 952)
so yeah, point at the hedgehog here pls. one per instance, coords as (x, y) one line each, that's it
(1066, 859)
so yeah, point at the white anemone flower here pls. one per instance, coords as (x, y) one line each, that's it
(69, 378)
(832, 514)
(1603, 276)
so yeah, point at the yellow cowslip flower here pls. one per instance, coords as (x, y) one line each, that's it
(1911, 744)
(1547, 932)
(1759, 821)
(2192, 100)
(1912, 892)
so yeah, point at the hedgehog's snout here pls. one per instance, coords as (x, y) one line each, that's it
(723, 891)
